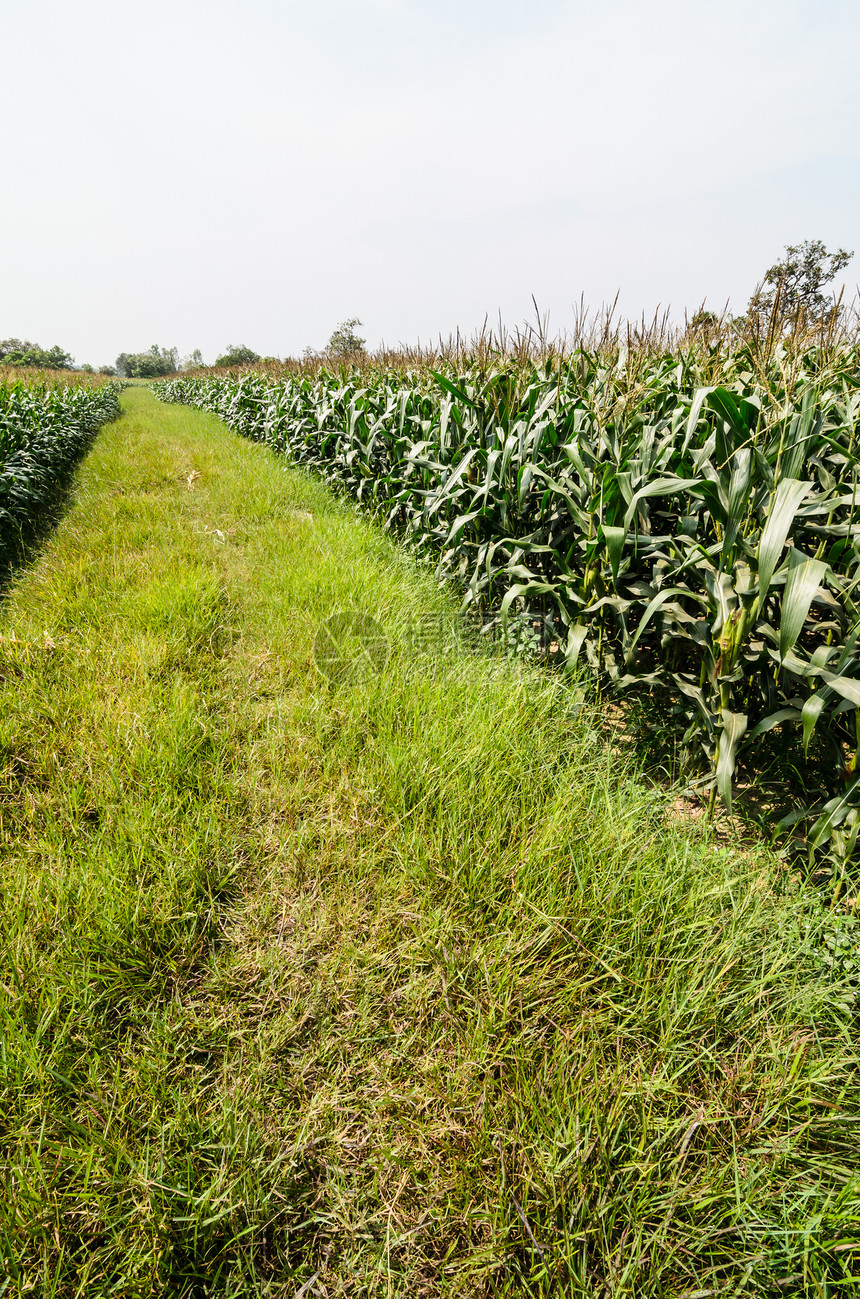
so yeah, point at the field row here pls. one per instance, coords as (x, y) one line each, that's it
(694, 539)
(44, 429)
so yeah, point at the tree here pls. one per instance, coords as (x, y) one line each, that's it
(18, 352)
(194, 360)
(153, 364)
(237, 354)
(793, 286)
(344, 340)
(705, 320)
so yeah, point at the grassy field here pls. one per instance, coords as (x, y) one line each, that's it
(395, 984)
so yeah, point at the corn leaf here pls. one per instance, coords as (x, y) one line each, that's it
(803, 580)
(789, 494)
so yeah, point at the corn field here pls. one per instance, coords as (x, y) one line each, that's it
(44, 428)
(687, 524)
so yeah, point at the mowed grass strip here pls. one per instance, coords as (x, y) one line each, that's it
(393, 985)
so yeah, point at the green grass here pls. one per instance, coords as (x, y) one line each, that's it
(400, 983)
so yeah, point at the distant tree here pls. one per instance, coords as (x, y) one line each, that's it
(344, 340)
(704, 320)
(154, 364)
(16, 351)
(87, 369)
(237, 354)
(794, 284)
(106, 369)
(194, 360)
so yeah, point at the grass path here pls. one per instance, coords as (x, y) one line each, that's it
(397, 986)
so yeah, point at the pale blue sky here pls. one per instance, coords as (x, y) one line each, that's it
(199, 174)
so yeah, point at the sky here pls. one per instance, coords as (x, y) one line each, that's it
(196, 175)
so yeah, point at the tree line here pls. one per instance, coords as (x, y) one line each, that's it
(19, 352)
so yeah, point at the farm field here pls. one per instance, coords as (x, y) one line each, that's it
(389, 982)
(685, 523)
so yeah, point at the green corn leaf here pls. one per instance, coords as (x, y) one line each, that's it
(525, 478)
(575, 637)
(709, 490)
(810, 714)
(803, 580)
(847, 687)
(738, 419)
(802, 430)
(765, 472)
(509, 449)
(699, 398)
(653, 605)
(461, 522)
(577, 513)
(453, 389)
(523, 588)
(660, 487)
(734, 727)
(739, 486)
(447, 486)
(738, 498)
(775, 719)
(697, 694)
(822, 655)
(847, 651)
(834, 812)
(784, 505)
(614, 538)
